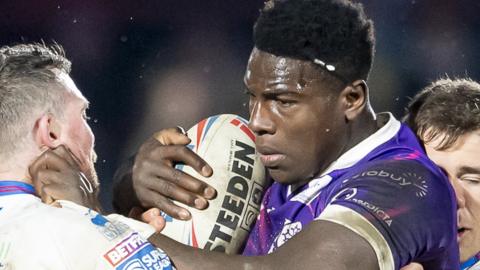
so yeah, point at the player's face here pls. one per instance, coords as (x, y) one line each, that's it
(462, 164)
(76, 133)
(295, 116)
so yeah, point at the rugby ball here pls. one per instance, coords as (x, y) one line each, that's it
(228, 146)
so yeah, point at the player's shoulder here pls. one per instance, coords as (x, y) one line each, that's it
(36, 233)
(413, 177)
(16, 211)
(61, 215)
(34, 217)
(395, 169)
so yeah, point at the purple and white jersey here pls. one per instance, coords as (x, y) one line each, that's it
(385, 189)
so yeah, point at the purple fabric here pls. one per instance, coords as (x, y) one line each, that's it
(395, 187)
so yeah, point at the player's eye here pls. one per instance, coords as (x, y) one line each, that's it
(251, 99)
(474, 180)
(285, 102)
(247, 92)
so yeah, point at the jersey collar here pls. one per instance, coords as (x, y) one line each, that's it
(362, 149)
(8, 187)
(358, 152)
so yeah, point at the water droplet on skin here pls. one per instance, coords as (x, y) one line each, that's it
(327, 130)
(299, 87)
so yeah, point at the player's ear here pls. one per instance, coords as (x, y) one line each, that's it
(354, 99)
(47, 131)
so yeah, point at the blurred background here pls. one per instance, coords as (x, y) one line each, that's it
(151, 64)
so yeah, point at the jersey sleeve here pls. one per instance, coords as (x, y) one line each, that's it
(403, 209)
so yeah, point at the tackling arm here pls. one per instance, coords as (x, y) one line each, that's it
(322, 245)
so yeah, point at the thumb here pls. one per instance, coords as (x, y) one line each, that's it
(171, 136)
(153, 217)
(158, 223)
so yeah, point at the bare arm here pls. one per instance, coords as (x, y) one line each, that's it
(322, 245)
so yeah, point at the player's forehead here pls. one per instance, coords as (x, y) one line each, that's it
(465, 141)
(267, 68)
(464, 152)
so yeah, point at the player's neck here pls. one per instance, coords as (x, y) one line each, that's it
(15, 173)
(361, 129)
(15, 167)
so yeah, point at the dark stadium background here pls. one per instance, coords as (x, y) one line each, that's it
(150, 64)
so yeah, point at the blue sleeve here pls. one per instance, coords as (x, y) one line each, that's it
(408, 212)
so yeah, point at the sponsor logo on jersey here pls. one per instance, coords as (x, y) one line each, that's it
(349, 194)
(110, 230)
(380, 213)
(288, 231)
(345, 194)
(166, 217)
(411, 179)
(134, 252)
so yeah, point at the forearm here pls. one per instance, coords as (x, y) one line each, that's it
(324, 245)
(188, 258)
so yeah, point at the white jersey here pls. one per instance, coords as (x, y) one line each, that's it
(34, 235)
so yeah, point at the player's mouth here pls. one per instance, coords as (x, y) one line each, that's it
(269, 157)
(271, 160)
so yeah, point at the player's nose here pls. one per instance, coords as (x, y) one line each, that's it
(260, 119)
(459, 193)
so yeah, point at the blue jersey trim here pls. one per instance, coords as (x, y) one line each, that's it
(15, 187)
(469, 263)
